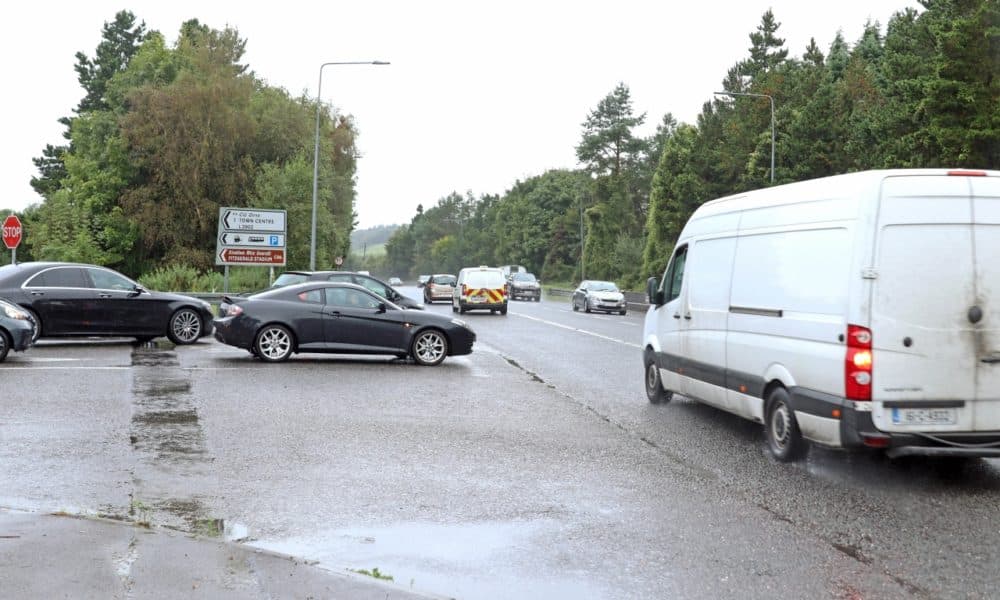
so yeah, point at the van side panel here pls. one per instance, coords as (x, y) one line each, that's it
(704, 312)
(787, 312)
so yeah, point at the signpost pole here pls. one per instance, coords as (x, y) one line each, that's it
(13, 256)
(225, 280)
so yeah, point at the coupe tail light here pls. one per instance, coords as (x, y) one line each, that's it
(858, 364)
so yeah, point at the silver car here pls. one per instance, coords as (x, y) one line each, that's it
(439, 287)
(599, 295)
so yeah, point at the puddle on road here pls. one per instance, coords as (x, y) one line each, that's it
(468, 561)
(169, 442)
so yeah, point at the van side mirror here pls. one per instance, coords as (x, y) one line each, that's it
(653, 293)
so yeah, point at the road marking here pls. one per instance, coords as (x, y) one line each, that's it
(63, 368)
(577, 329)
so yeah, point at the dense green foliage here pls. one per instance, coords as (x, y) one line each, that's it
(166, 135)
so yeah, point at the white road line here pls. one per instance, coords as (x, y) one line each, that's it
(577, 329)
(62, 368)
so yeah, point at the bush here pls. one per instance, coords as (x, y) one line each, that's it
(185, 278)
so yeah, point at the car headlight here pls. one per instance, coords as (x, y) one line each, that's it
(13, 312)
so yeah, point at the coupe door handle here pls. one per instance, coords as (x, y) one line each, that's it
(37, 293)
(104, 295)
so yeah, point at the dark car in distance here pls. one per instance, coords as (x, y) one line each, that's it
(16, 329)
(337, 318)
(72, 299)
(378, 286)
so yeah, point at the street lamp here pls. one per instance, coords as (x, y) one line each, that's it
(319, 89)
(772, 119)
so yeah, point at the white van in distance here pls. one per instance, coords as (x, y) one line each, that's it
(861, 310)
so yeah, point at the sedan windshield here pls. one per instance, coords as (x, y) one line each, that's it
(524, 277)
(289, 279)
(603, 286)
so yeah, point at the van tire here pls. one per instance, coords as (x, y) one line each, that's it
(781, 429)
(654, 387)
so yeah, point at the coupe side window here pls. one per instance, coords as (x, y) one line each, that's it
(313, 296)
(675, 277)
(349, 298)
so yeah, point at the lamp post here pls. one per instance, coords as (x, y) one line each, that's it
(319, 90)
(772, 119)
(582, 275)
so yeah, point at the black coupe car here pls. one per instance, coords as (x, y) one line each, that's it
(337, 318)
(70, 299)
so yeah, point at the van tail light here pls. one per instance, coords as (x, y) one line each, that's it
(858, 364)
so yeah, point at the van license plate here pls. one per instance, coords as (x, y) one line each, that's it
(477, 299)
(924, 416)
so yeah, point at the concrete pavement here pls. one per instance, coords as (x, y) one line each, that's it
(62, 556)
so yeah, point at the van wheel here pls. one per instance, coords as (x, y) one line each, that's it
(454, 308)
(503, 310)
(782, 430)
(654, 386)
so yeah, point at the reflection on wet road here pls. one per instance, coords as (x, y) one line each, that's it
(173, 466)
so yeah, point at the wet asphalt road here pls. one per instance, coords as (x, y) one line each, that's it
(533, 468)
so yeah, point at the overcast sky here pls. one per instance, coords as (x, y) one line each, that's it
(478, 95)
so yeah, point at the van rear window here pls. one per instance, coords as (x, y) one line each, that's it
(485, 279)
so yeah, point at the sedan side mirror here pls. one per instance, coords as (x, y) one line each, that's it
(136, 290)
(381, 307)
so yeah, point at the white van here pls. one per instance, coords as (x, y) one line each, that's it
(480, 288)
(860, 310)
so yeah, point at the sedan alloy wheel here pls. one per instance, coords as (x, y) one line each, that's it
(185, 327)
(430, 347)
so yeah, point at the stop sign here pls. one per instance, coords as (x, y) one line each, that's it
(12, 231)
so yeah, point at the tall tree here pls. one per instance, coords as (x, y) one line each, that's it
(120, 41)
(609, 145)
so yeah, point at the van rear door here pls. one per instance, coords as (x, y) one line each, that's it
(935, 249)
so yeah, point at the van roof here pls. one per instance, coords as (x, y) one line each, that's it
(836, 186)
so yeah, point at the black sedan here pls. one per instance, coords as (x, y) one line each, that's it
(337, 318)
(16, 329)
(379, 287)
(70, 299)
